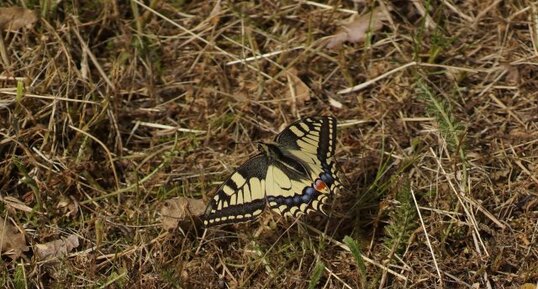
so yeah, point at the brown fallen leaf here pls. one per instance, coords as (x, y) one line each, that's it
(177, 209)
(358, 27)
(12, 240)
(56, 248)
(68, 206)
(299, 92)
(13, 18)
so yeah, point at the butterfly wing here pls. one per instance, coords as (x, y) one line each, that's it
(290, 192)
(242, 196)
(310, 142)
(314, 137)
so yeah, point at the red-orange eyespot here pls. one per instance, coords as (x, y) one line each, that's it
(320, 185)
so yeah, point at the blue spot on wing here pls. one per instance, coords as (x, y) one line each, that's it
(305, 197)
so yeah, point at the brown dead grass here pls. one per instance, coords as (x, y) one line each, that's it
(126, 105)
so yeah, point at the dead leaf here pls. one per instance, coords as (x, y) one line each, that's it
(299, 91)
(12, 240)
(358, 27)
(13, 18)
(68, 206)
(56, 248)
(177, 209)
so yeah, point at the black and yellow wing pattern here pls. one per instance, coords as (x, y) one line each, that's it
(293, 175)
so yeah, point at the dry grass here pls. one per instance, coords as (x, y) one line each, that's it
(127, 104)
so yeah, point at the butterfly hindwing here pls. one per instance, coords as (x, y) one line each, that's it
(310, 142)
(295, 197)
(242, 196)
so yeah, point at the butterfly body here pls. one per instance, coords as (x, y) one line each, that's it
(284, 160)
(292, 175)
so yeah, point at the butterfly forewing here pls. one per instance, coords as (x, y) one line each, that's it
(315, 136)
(242, 196)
